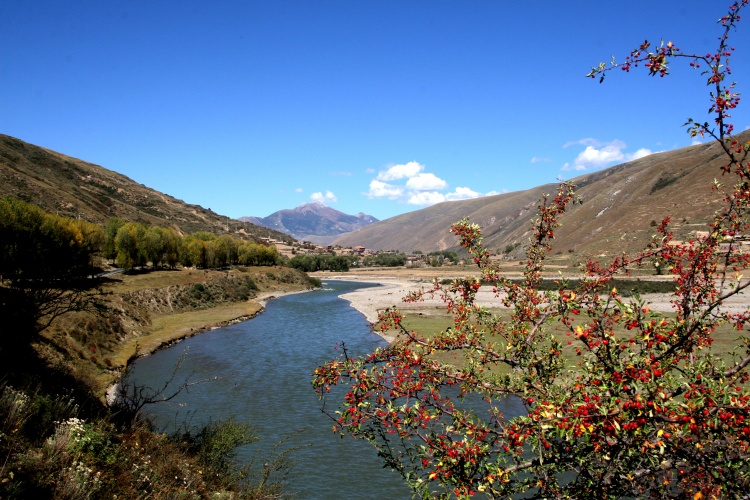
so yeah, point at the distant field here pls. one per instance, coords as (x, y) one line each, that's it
(554, 268)
(432, 321)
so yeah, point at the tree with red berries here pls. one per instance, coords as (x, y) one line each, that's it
(627, 402)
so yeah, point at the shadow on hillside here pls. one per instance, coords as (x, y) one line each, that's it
(28, 359)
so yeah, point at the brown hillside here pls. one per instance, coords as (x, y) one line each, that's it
(74, 188)
(617, 213)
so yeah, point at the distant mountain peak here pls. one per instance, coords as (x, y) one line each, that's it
(313, 221)
(316, 203)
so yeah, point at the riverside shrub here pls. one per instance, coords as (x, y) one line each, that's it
(627, 402)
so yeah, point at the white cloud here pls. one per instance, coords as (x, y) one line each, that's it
(425, 182)
(298, 190)
(599, 154)
(426, 198)
(463, 193)
(380, 189)
(328, 197)
(402, 171)
(493, 192)
(419, 188)
(593, 157)
(639, 154)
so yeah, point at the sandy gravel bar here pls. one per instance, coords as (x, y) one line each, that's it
(370, 301)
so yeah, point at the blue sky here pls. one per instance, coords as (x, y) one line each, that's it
(249, 107)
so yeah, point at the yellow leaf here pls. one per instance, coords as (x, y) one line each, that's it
(698, 496)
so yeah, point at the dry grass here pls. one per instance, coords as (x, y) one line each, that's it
(125, 283)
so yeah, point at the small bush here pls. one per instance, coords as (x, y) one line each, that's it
(662, 182)
(511, 246)
(250, 283)
(216, 446)
(313, 281)
(87, 439)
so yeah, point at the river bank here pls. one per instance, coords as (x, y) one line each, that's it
(147, 312)
(169, 330)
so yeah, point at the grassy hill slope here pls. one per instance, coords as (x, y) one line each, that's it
(74, 188)
(619, 205)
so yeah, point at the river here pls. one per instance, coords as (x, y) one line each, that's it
(259, 371)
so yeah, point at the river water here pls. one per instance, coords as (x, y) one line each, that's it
(260, 372)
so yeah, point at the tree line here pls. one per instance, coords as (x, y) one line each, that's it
(437, 259)
(327, 262)
(48, 263)
(321, 262)
(36, 245)
(131, 244)
(39, 246)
